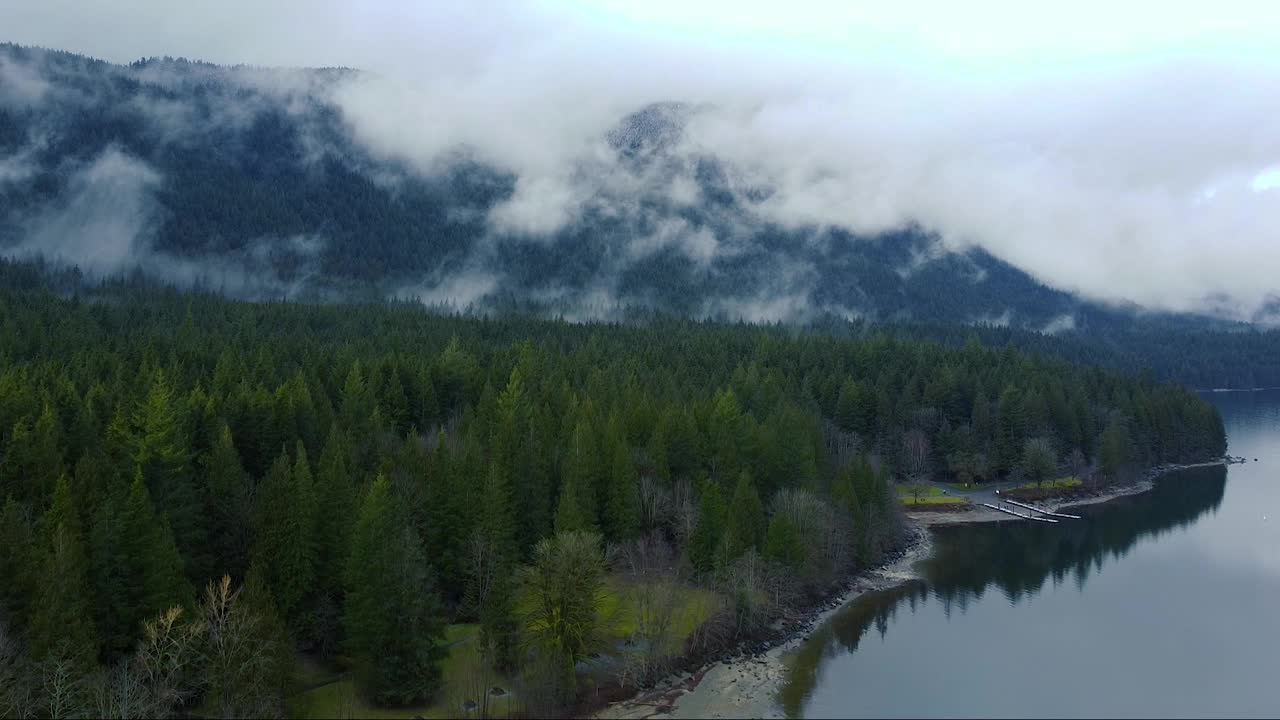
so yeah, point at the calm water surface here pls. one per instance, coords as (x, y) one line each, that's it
(1166, 604)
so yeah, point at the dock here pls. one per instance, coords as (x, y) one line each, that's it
(1019, 515)
(1039, 510)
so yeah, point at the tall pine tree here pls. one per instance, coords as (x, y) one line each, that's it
(746, 524)
(284, 545)
(708, 534)
(392, 616)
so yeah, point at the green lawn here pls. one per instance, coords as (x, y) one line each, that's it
(1059, 484)
(931, 495)
(932, 500)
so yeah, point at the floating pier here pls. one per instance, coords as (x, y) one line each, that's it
(1043, 512)
(1020, 515)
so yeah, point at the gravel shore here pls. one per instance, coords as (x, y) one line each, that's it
(747, 687)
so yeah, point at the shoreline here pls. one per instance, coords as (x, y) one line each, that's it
(1142, 484)
(747, 686)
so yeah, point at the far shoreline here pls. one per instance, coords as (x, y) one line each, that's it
(747, 686)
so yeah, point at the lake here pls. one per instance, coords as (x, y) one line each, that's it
(1164, 604)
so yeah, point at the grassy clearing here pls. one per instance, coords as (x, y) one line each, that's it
(926, 491)
(932, 500)
(621, 615)
(1059, 484)
(929, 495)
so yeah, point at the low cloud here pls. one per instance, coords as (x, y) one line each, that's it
(101, 223)
(460, 290)
(21, 86)
(1062, 323)
(105, 221)
(1121, 154)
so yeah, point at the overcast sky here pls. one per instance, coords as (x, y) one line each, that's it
(1126, 150)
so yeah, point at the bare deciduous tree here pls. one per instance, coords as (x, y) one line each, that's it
(482, 569)
(120, 693)
(915, 454)
(63, 688)
(1039, 459)
(655, 503)
(166, 660)
(1079, 464)
(819, 526)
(684, 510)
(746, 581)
(648, 565)
(842, 447)
(17, 699)
(239, 656)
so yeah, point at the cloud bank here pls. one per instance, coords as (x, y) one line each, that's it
(1122, 153)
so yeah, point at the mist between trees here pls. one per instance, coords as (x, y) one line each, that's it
(196, 491)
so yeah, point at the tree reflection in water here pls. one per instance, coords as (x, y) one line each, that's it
(1015, 557)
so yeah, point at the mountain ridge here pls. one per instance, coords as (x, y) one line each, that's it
(250, 181)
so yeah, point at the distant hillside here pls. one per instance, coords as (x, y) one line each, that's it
(248, 181)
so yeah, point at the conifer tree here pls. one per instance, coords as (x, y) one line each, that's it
(514, 447)
(783, 544)
(727, 431)
(61, 619)
(284, 542)
(570, 515)
(392, 399)
(582, 470)
(392, 615)
(1010, 431)
(746, 522)
(535, 492)
(229, 498)
(624, 498)
(32, 459)
(657, 449)
(1115, 448)
(708, 534)
(494, 556)
(335, 498)
(847, 407)
(17, 560)
(162, 455)
(156, 560)
(135, 568)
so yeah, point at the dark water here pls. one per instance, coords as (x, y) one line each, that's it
(1167, 604)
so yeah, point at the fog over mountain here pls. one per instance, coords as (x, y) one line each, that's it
(593, 158)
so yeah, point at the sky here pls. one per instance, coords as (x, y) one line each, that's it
(1129, 151)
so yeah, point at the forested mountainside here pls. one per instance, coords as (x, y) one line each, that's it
(1242, 358)
(369, 472)
(251, 182)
